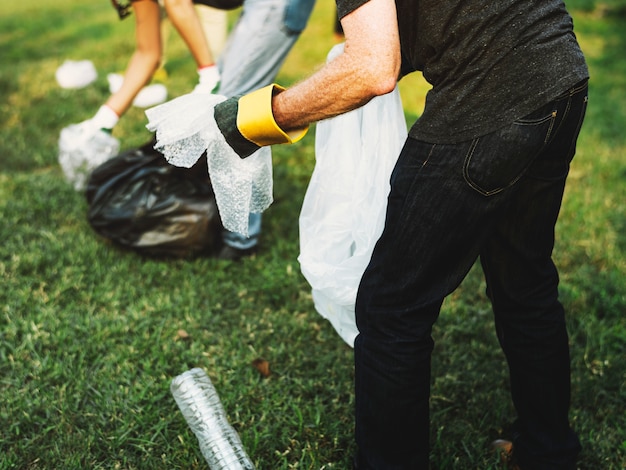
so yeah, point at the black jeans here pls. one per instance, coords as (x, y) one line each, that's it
(498, 198)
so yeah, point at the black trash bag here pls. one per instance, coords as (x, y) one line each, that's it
(140, 201)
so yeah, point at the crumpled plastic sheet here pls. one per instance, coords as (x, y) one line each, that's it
(80, 153)
(76, 74)
(343, 211)
(185, 128)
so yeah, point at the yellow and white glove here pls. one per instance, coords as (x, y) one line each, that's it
(247, 122)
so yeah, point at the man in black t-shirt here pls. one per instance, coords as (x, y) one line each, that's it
(481, 176)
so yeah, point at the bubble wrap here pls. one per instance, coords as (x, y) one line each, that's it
(185, 128)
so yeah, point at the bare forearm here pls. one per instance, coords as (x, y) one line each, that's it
(334, 90)
(368, 67)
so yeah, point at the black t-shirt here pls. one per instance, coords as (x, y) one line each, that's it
(489, 62)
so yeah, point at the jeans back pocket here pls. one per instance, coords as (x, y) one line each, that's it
(496, 161)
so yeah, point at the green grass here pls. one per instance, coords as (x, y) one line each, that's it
(89, 333)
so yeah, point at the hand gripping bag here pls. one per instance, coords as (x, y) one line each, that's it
(343, 212)
(141, 202)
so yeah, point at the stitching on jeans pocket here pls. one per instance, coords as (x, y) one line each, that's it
(498, 160)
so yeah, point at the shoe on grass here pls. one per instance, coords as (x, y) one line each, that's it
(228, 252)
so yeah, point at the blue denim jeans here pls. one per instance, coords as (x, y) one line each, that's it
(255, 51)
(496, 198)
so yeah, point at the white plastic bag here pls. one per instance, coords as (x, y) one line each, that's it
(76, 73)
(81, 150)
(343, 212)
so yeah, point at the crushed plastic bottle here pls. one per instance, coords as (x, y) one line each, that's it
(81, 150)
(200, 404)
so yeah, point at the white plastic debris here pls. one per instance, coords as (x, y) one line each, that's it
(150, 95)
(76, 74)
(81, 150)
(115, 81)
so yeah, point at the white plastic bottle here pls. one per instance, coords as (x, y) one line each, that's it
(200, 404)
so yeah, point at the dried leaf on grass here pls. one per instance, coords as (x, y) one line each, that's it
(262, 366)
(183, 335)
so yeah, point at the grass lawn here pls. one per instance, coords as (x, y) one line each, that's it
(90, 335)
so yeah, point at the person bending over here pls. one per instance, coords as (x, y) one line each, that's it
(481, 177)
(148, 55)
